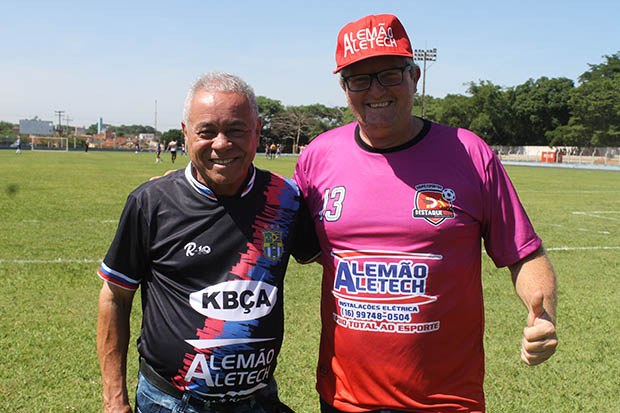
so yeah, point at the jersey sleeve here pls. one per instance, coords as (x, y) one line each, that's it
(306, 240)
(305, 243)
(125, 262)
(507, 231)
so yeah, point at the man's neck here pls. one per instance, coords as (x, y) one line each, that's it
(391, 138)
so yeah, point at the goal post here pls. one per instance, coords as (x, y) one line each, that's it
(56, 143)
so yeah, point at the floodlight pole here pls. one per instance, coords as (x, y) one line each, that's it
(424, 56)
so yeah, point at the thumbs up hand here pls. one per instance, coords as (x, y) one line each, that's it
(539, 337)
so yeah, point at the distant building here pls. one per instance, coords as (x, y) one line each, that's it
(36, 127)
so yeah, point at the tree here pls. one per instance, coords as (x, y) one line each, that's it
(492, 115)
(545, 111)
(123, 130)
(610, 69)
(268, 109)
(131, 130)
(541, 106)
(594, 107)
(568, 135)
(345, 115)
(7, 129)
(92, 129)
(324, 119)
(294, 123)
(173, 134)
(453, 110)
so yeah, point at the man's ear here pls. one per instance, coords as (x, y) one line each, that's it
(415, 76)
(259, 127)
(416, 73)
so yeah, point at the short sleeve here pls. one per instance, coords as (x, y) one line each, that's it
(125, 263)
(506, 229)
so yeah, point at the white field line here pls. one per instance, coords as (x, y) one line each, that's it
(598, 214)
(568, 191)
(581, 248)
(56, 261)
(99, 221)
(581, 229)
(594, 248)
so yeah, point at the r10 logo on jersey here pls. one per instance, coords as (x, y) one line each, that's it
(333, 198)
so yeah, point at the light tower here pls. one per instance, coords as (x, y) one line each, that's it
(429, 55)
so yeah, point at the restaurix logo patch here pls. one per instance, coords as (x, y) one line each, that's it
(434, 203)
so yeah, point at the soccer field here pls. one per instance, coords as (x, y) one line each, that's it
(60, 211)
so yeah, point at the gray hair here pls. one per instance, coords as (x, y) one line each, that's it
(220, 82)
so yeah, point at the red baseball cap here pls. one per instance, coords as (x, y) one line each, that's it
(370, 36)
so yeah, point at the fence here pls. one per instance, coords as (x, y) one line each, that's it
(560, 154)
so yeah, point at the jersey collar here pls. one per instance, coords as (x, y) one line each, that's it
(414, 140)
(205, 191)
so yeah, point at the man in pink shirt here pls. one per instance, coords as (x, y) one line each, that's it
(400, 205)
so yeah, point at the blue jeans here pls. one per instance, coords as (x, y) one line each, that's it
(150, 399)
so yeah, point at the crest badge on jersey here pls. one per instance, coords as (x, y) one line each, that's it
(434, 203)
(273, 246)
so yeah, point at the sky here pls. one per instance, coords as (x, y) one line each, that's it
(132, 62)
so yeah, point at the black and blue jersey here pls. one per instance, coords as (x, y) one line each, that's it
(211, 273)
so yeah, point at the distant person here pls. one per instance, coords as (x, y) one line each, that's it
(401, 205)
(209, 246)
(272, 150)
(278, 150)
(172, 147)
(158, 153)
(86, 144)
(18, 145)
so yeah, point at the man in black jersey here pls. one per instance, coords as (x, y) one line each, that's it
(209, 246)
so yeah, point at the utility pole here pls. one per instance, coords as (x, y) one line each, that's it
(429, 55)
(156, 140)
(67, 120)
(59, 113)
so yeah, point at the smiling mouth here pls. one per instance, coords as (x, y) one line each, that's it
(222, 161)
(378, 105)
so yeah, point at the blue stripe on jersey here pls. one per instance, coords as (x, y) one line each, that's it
(117, 278)
(282, 198)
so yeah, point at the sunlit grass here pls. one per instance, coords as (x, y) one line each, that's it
(65, 206)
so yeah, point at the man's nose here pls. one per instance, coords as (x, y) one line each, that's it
(221, 141)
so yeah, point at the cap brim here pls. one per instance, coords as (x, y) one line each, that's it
(339, 68)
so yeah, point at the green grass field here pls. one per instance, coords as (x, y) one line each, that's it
(60, 210)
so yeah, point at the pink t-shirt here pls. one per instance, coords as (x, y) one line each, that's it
(400, 233)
